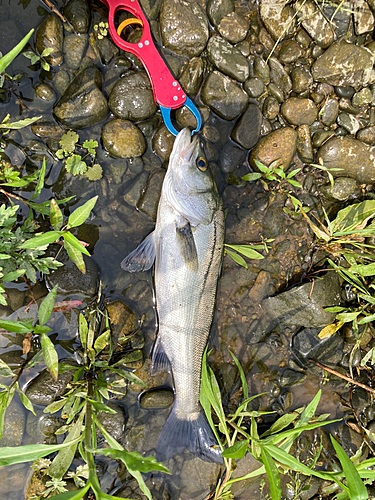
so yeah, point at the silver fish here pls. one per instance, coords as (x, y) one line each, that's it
(186, 247)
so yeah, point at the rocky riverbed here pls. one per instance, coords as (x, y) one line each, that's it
(292, 81)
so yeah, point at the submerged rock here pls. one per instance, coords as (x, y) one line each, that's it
(156, 398)
(247, 129)
(74, 46)
(123, 320)
(307, 345)
(50, 35)
(123, 139)
(77, 13)
(192, 76)
(43, 389)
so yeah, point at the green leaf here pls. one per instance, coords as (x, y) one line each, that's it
(102, 341)
(68, 141)
(47, 51)
(41, 240)
(5, 370)
(80, 214)
(55, 406)
(40, 182)
(94, 173)
(14, 275)
(21, 454)
(357, 490)
(83, 329)
(46, 307)
(25, 400)
(237, 258)
(56, 216)
(253, 176)
(12, 54)
(60, 154)
(15, 326)
(74, 165)
(352, 217)
(50, 356)
(90, 145)
(272, 474)
(76, 256)
(41, 329)
(347, 317)
(74, 242)
(18, 125)
(261, 167)
(73, 495)
(363, 270)
(280, 424)
(134, 461)
(246, 250)
(5, 400)
(128, 376)
(294, 183)
(238, 450)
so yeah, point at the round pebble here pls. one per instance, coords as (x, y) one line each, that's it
(122, 139)
(156, 398)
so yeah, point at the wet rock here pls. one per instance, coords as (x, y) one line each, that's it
(134, 189)
(61, 81)
(355, 159)
(320, 137)
(50, 35)
(271, 107)
(344, 64)
(274, 222)
(123, 139)
(291, 377)
(108, 50)
(345, 92)
(246, 132)
(254, 87)
(233, 27)
(230, 157)
(301, 79)
(43, 389)
(304, 144)
(227, 59)
(307, 345)
(162, 142)
(114, 423)
(45, 128)
(45, 93)
(363, 17)
(82, 104)
(362, 98)
(299, 111)
(303, 305)
(149, 201)
(289, 52)
(279, 76)
(122, 319)
(183, 26)
(275, 92)
(348, 122)
(261, 69)
(185, 118)
(132, 98)
(314, 22)
(151, 8)
(278, 18)
(330, 112)
(77, 13)
(341, 190)
(279, 144)
(367, 135)
(223, 96)
(217, 9)
(156, 399)
(192, 76)
(70, 280)
(41, 426)
(74, 47)
(14, 424)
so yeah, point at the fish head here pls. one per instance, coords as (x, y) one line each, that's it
(191, 190)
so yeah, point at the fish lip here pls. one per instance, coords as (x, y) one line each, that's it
(190, 149)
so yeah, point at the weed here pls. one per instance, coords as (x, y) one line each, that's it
(249, 251)
(35, 58)
(10, 56)
(74, 163)
(275, 172)
(101, 29)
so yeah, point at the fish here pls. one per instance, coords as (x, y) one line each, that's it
(186, 249)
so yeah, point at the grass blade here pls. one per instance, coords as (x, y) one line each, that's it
(20, 454)
(272, 474)
(12, 54)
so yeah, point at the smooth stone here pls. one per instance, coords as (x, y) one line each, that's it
(314, 22)
(303, 305)
(234, 27)
(156, 399)
(289, 51)
(271, 108)
(44, 92)
(42, 425)
(344, 64)
(279, 144)
(363, 17)
(70, 280)
(77, 13)
(304, 144)
(244, 48)
(275, 92)
(184, 27)
(217, 9)
(279, 76)
(303, 38)
(342, 189)
(362, 98)
(49, 34)
(302, 79)
(149, 200)
(134, 189)
(278, 17)
(162, 142)
(290, 377)
(123, 139)
(348, 122)
(330, 112)
(223, 96)
(192, 76)
(122, 319)
(108, 50)
(82, 104)
(346, 92)
(261, 70)
(307, 345)
(61, 81)
(74, 47)
(367, 135)
(43, 389)
(353, 157)
(185, 118)
(132, 98)
(254, 87)
(14, 424)
(227, 59)
(151, 8)
(230, 157)
(299, 111)
(246, 132)
(347, 106)
(113, 423)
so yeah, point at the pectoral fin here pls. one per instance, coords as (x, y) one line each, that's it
(160, 361)
(186, 246)
(142, 258)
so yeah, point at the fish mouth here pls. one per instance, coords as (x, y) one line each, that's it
(184, 147)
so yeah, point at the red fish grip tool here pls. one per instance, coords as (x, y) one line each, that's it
(168, 93)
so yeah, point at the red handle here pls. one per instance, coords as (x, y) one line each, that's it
(167, 91)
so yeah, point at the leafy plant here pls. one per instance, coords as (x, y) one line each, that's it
(275, 172)
(34, 58)
(101, 29)
(249, 251)
(74, 163)
(272, 448)
(11, 55)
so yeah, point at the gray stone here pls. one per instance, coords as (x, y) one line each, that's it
(307, 345)
(344, 64)
(230, 157)
(43, 389)
(123, 139)
(304, 145)
(279, 144)
(156, 399)
(271, 107)
(132, 97)
(362, 98)
(299, 111)
(314, 22)
(234, 27)
(275, 92)
(45, 128)
(82, 104)
(367, 135)
(77, 13)
(217, 9)
(113, 423)
(50, 35)
(278, 18)
(183, 26)
(346, 92)
(192, 76)
(348, 122)
(14, 424)
(341, 190)
(302, 79)
(162, 142)
(289, 51)
(227, 59)
(279, 76)
(74, 47)
(223, 96)
(261, 70)
(291, 377)
(363, 17)
(304, 305)
(254, 86)
(134, 189)
(61, 81)
(330, 112)
(246, 132)
(149, 200)
(151, 8)
(45, 93)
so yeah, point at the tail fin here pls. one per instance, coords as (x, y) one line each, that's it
(189, 431)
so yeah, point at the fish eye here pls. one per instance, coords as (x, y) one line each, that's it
(202, 163)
